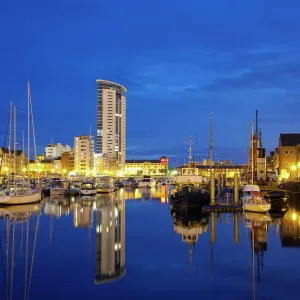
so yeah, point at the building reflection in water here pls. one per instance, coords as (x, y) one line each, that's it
(110, 237)
(146, 194)
(83, 213)
(57, 207)
(189, 223)
(290, 229)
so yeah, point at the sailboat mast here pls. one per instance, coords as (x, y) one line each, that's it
(190, 150)
(9, 144)
(210, 144)
(28, 137)
(33, 130)
(252, 152)
(15, 145)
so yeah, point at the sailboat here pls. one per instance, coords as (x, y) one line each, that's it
(26, 194)
(252, 200)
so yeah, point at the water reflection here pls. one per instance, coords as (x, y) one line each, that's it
(162, 193)
(110, 238)
(21, 230)
(190, 223)
(290, 229)
(83, 213)
(100, 220)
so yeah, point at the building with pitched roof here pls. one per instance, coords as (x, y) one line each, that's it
(288, 158)
(7, 161)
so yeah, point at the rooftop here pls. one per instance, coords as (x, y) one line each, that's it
(112, 83)
(140, 161)
(5, 150)
(289, 139)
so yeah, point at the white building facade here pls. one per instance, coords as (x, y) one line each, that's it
(84, 155)
(56, 150)
(111, 122)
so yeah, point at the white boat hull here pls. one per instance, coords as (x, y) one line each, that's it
(88, 192)
(20, 199)
(255, 207)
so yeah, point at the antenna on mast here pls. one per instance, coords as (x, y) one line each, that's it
(190, 150)
(210, 144)
(256, 122)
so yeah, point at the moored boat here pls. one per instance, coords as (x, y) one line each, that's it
(147, 182)
(252, 199)
(88, 188)
(190, 186)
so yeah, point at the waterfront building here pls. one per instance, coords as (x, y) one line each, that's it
(288, 155)
(157, 167)
(98, 164)
(110, 238)
(7, 161)
(224, 168)
(67, 161)
(111, 124)
(56, 150)
(42, 167)
(84, 154)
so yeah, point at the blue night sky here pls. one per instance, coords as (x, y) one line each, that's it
(179, 61)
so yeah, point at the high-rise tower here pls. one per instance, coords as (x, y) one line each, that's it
(111, 122)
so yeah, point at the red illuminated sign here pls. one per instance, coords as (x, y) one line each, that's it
(164, 160)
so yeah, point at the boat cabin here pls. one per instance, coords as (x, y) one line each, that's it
(189, 175)
(87, 186)
(251, 189)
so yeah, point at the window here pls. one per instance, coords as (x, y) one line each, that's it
(291, 152)
(286, 152)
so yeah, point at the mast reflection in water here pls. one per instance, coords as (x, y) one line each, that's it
(87, 250)
(19, 254)
(189, 223)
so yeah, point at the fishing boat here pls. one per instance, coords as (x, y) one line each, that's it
(190, 186)
(252, 199)
(88, 189)
(26, 194)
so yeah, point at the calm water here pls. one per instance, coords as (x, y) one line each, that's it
(131, 245)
